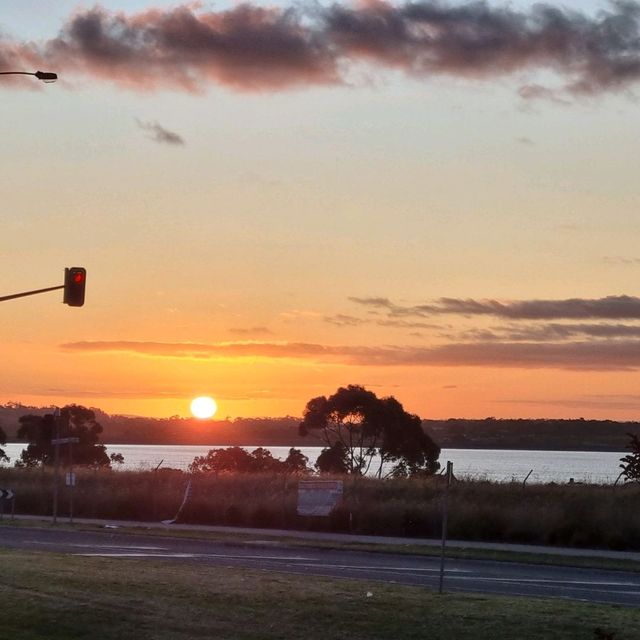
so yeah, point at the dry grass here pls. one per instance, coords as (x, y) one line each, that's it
(565, 515)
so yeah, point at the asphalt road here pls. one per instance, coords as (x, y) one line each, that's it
(478, 576)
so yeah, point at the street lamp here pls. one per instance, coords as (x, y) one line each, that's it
(45, 76)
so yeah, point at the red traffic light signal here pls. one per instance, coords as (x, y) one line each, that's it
(75, 279)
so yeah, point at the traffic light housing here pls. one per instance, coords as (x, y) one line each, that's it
(75, 279)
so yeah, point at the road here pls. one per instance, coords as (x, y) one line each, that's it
(471, 576)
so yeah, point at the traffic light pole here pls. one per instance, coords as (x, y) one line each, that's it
(30, 293)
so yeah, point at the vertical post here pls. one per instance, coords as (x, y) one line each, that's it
(445, 518)
(2, 507)
(56, 419)
(72, 482)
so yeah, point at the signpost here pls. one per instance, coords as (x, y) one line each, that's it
(445, 518)
(7, 494)
(319, 497)
(56, 442)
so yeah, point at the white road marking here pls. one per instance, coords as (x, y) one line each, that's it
(102, 546)
(383, 568)
(125, 554)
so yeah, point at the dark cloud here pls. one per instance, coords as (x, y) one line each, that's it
(549, 332)
(609, 308)
(246, 47)
(596, 355)
(160, 134)
(249, 47)
(343, 320)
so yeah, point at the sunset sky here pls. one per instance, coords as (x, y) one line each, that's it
(439, 201)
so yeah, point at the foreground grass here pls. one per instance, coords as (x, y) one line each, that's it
(65, 597)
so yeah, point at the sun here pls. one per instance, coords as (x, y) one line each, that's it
(203, 407)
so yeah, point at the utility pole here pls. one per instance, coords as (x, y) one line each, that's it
(56, 458)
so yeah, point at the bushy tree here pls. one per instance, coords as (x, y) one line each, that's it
(3, 440)
(239, 460)
(365, 434)
(75, 421)
(631, 463)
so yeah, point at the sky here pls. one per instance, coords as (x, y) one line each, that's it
(436, 200)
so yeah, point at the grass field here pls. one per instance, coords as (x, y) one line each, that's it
(63, 598)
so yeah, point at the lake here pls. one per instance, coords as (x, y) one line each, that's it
(502, 465)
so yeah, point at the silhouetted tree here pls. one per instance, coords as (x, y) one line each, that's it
(631, 463)
(239, 460)
(358, 428)
(3, 440)
(296, 462)
(75, 422)
(333, 459)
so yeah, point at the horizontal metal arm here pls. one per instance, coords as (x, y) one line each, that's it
(29, 293)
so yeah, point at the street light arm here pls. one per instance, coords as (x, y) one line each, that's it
(45, 76)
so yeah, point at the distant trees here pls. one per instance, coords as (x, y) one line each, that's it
(364, 434)
(75, 421)
(239, 460)
(631, 463)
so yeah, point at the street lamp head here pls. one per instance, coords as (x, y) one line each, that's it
(46, 76)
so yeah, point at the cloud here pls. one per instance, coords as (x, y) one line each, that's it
(621, 260)
(607, 402)
(251, 331)
(531, 92)
(598, 355)
(254, 48)
(609, 308)
(343, 320)
(550, 332)
(160, 134)
(184, 48)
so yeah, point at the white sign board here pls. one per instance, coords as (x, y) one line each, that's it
(318, 497)
(70, 479)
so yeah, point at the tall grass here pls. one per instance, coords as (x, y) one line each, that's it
(566, 515)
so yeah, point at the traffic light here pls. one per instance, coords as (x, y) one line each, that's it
(75, 279)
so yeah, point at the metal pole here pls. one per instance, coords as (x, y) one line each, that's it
(71, 482)
(56, 418)
(445, 518)
(30, 293)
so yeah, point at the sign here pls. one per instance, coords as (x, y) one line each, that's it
(70, 479)
(65, 440)
(318, 497)
(6, 494)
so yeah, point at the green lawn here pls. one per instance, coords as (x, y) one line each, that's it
(60, 597)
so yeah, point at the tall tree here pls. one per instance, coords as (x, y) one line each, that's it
(366, 434)
(74, 421)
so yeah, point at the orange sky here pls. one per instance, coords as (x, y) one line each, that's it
(460, 234)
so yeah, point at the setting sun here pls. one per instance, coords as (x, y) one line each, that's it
(203, 407)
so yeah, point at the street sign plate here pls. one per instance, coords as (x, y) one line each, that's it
(6, 494)
(318, 497)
